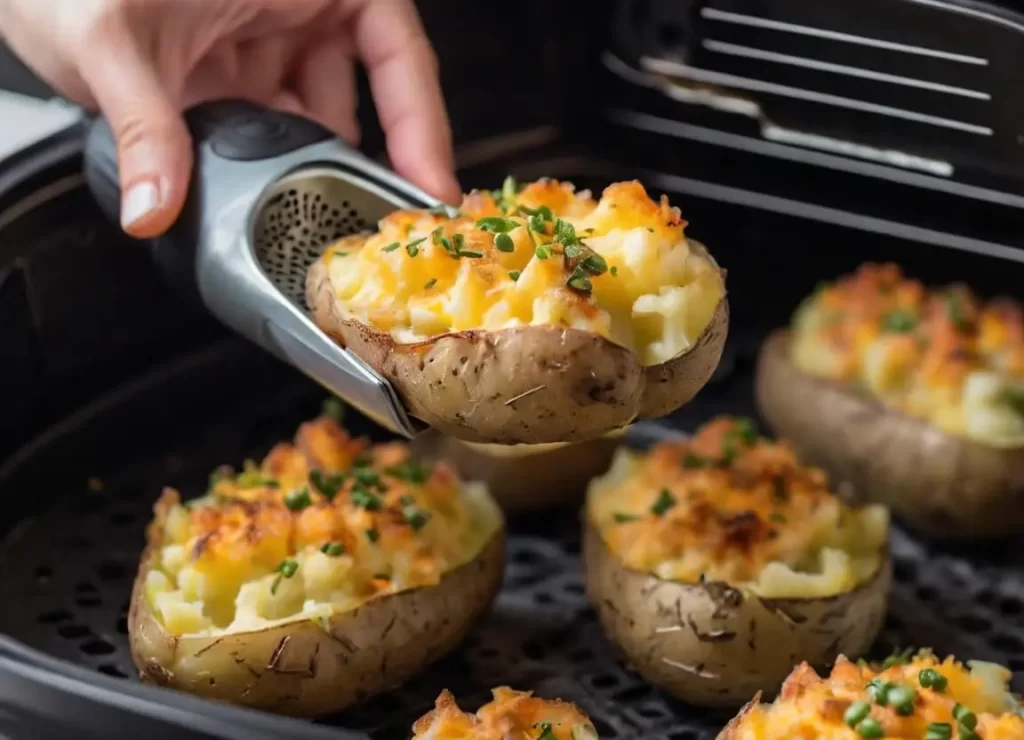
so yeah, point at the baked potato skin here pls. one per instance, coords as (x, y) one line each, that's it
(528, 480)
(714, 645)
(522, 385)
(947, 487)
(304, 669)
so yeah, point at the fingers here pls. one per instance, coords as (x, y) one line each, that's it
(407, 92)
(154, 150)
(326, 83)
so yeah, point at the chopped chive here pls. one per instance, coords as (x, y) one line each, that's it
(414, 517)
(580, 283)
(410, 471)
(392, 247)
(692, 460)
(543, 252)
(430, 284)
(663, 503)
(898, 322)
(471, 253)
(856, 713)
(372, 535)
(901, 698)
(929, 678)
(503, 243)
(514, 274)
(496, 224)
(777, 517)
(298, 499)
(938, 731)
(333, 408)
(870, 728)
(329, 485)
(333, 549)
(614, 270)
(365, 500)
(620, 517)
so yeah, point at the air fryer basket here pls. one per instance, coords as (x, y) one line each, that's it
(66, 569)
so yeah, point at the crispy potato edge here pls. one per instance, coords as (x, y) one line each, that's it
(307, 670)
(946, 487)
(528, 385)
(714, 645)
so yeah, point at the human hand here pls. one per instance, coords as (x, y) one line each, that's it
(141, 62)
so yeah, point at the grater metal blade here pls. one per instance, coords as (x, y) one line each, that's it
(269, 192)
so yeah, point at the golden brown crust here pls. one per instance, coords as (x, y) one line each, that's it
(946, 486)
(715, 645)
(304, 669)
(530, 384)
(527, 480)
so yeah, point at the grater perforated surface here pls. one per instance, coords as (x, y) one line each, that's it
(67, 571)
(299, 216)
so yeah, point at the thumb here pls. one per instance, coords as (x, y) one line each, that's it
(154, 149)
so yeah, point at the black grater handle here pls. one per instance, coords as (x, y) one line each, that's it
(235, 130)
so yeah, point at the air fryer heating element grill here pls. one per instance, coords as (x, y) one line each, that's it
(298, 217)
(66, 573)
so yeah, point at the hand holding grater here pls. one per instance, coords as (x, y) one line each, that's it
(269, 192)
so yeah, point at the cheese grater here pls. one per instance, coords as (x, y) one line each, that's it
(269, 192)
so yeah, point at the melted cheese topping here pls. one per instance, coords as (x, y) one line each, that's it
(729, 506)
(939, 355)
(836, 708)
(321, 526)
(512, 715)
(543, 255)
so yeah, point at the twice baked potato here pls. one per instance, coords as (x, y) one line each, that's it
(329, 573)
(716, 563)
(525, 477)
(534, 315)
(512, 715)
(913, 398)
(906, 698)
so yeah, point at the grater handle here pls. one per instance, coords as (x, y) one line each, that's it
(235, 130)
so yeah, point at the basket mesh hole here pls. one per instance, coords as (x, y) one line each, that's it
(111, 572)
(54, 617)
(73, 631)
(43, 574)
(97, 646)
(111, 670)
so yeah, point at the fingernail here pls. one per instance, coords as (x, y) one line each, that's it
(141, 200)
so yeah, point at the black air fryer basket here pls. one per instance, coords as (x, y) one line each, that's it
(114, 390)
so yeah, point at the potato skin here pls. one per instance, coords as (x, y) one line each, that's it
(523, 385)
(713, 645)
(304, 670)
(529, 479)
(947, 487)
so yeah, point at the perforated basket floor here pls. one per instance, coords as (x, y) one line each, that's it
(66, 570)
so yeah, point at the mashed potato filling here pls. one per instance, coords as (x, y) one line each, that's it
(620, 267)
(321, 526)
(939, 355)
(728, 505)
(906, 698)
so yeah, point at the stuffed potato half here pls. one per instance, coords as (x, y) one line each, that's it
(913, 397)
(328, 573)
(534, 315)
(916, 697)
(510, 715)
(718, 562)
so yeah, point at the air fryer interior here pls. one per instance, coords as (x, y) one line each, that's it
(115, 389)
(68, 566)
